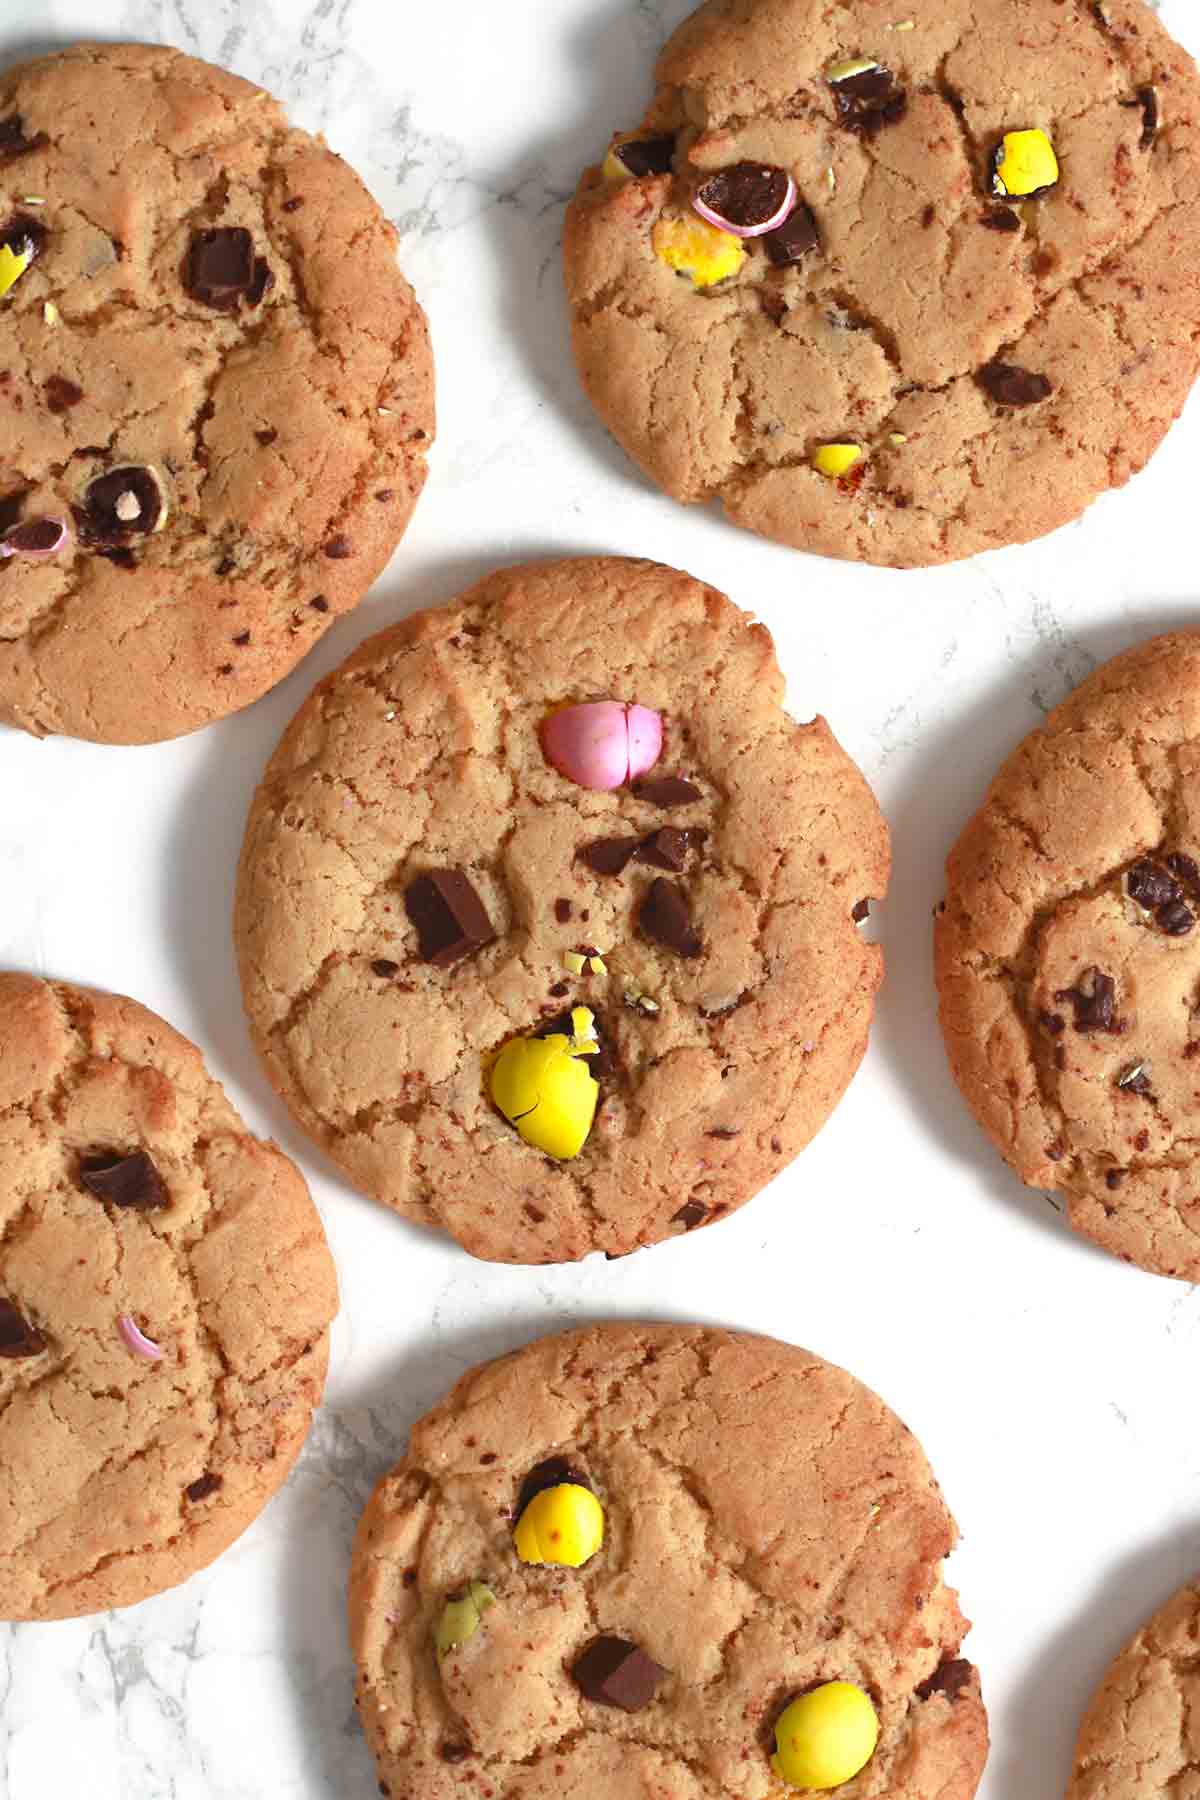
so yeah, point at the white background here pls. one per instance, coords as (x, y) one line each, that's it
(1054, 1389)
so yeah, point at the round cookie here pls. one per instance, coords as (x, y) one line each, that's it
(1068, 958)
(999, 361)
(212, 369)
(769, 1525)
(165, 1297)
(733, 992)
(1138, 1737)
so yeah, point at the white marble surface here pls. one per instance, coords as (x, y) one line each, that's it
(1052, 1387)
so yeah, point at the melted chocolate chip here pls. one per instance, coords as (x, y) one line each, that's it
(221, 270)
(868, 101)
(1151, 885)
(454, 1753)
(261, 282)
(1176, 918)
(385, 969)
(690, 1215)
(747, 194)
(1135, 1080)
(795, 239)
(556, 1471)
(608, 856)
(267, 437)
(667, 791)
(614, 1672)
(1000, 218)
(14, 143)
(339, 548)
(1009, 385)
(663, 916)
(647, 156)
(666, 848)
(562, 911)
(207, 1484)
(951, 1679)
(1147, 99)
(35, 534)
(129, 1181)
(1094, 1000)
(1113, 1179)
(18, 1338)
(723, 1131)
(1054, 1023)
(451, 920)
(61, 394)
(124, 503)
(319, 603)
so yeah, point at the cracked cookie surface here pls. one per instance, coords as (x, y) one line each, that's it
(289, 427)
(769, 1525)
(1138, 1740)
(921, 286)
(1068, 957)
(121, 1475)
(422, 754)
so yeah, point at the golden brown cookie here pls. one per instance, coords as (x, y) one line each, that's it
(420, 886)
(1139, 1739)
(992, 340)
(211, 372)
(1068, 957)
(165, 1297)
(768, 1525)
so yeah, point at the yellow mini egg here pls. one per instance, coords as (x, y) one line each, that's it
(825, 1737)
(836, 460)
(13, 264)
(562, 1524)
(696, 248)
(1024, 165)
(543, 1086)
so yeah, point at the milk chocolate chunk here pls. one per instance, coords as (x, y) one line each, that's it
(663, 916)
(221, 267)
(450, 919)
(614, 1672)
(18, 1338)
(129, 1181)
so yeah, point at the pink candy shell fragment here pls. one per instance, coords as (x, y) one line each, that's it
(137, 1341)
(645, 740)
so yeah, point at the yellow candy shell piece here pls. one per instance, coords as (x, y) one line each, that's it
(13, 265)
(824, 1738)
(563, 1525)
(1025, 165)
(836, 460)
(461, 1618)
(696, 248)
(613, 169)
(546, 1093)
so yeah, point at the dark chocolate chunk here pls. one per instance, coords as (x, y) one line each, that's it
(206, 1484)
(690, 1215)
(1151, 885)
(1000, 218)
(294, 204)
(795, 239)
(108, 515)
(35, 534)
(1186, 868)
(319, 603)
(562, 911)
(221, 269)
(1135, 1079)
(861, 911)
(868, 101)
(1009, 385)
(266, 437)
(128, 1181)
(666, 848)
(1176, 918)
(18, 1338)
(14, 143)
(242, 639)
(1147, 99)
(262, 281)
(124, 559)
(663, 916)
(1113, 1178)
(454, 1753)
(1054, 1023)
(608, 856)
(61, 394)
(951, 1679)
(25, 236)
(11, 507)
(385, 969)
(614, 1672)
(747, 194)
(339, 548)
(1094, 999)
(556, 1471)
(723, 1131)
(647, 156)
(450, 918)
(668, 791)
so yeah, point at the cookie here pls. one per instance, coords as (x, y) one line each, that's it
(165, 1298)
(768, 1531)
(218, 391)
(971, 297)
(1138, 1738)
(556, 1018)
(1068, 958)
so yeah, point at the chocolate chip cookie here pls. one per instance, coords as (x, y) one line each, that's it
(548, 915)
(1138, 1738)
(218, 392)
(896, 287)
(165, 1297)
(1068, 957)
(759, 1528)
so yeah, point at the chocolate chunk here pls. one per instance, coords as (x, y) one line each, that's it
(207, 1484)
(128, 1181)
(647, 156)
(1054, 1023)
(861, 911)
(723, 1131)
(690, 1215)
(14, 143)
(454, 1753)
(11, 507)
(748, 193)
(1147, 99)
(267, 437)
(1142, 1141)
(1009, 385)
(1135, 1079)
(614, 1672)
(556, 1471)
(262, 281)
(603, 1063)
(562, 911)
(666, 848)
(868, 101)
(795, 239)
(668, 791)
(1176, 918)
(450, 918)
(1000, 218)
(18, 1338)
(221, 269)
(1094, 1000)
(1186, 868)
(1113, 1178)
(385, 969)
(951, 1679)
(319, 603)
(339, 548)
(294, 204)
(24, 236)
(1151, 885)
(35, 534)
(124, 559)
(124, 503)
(608, 856)
(663, 916)
(61, 394)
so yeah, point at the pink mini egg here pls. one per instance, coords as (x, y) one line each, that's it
(603, 743)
